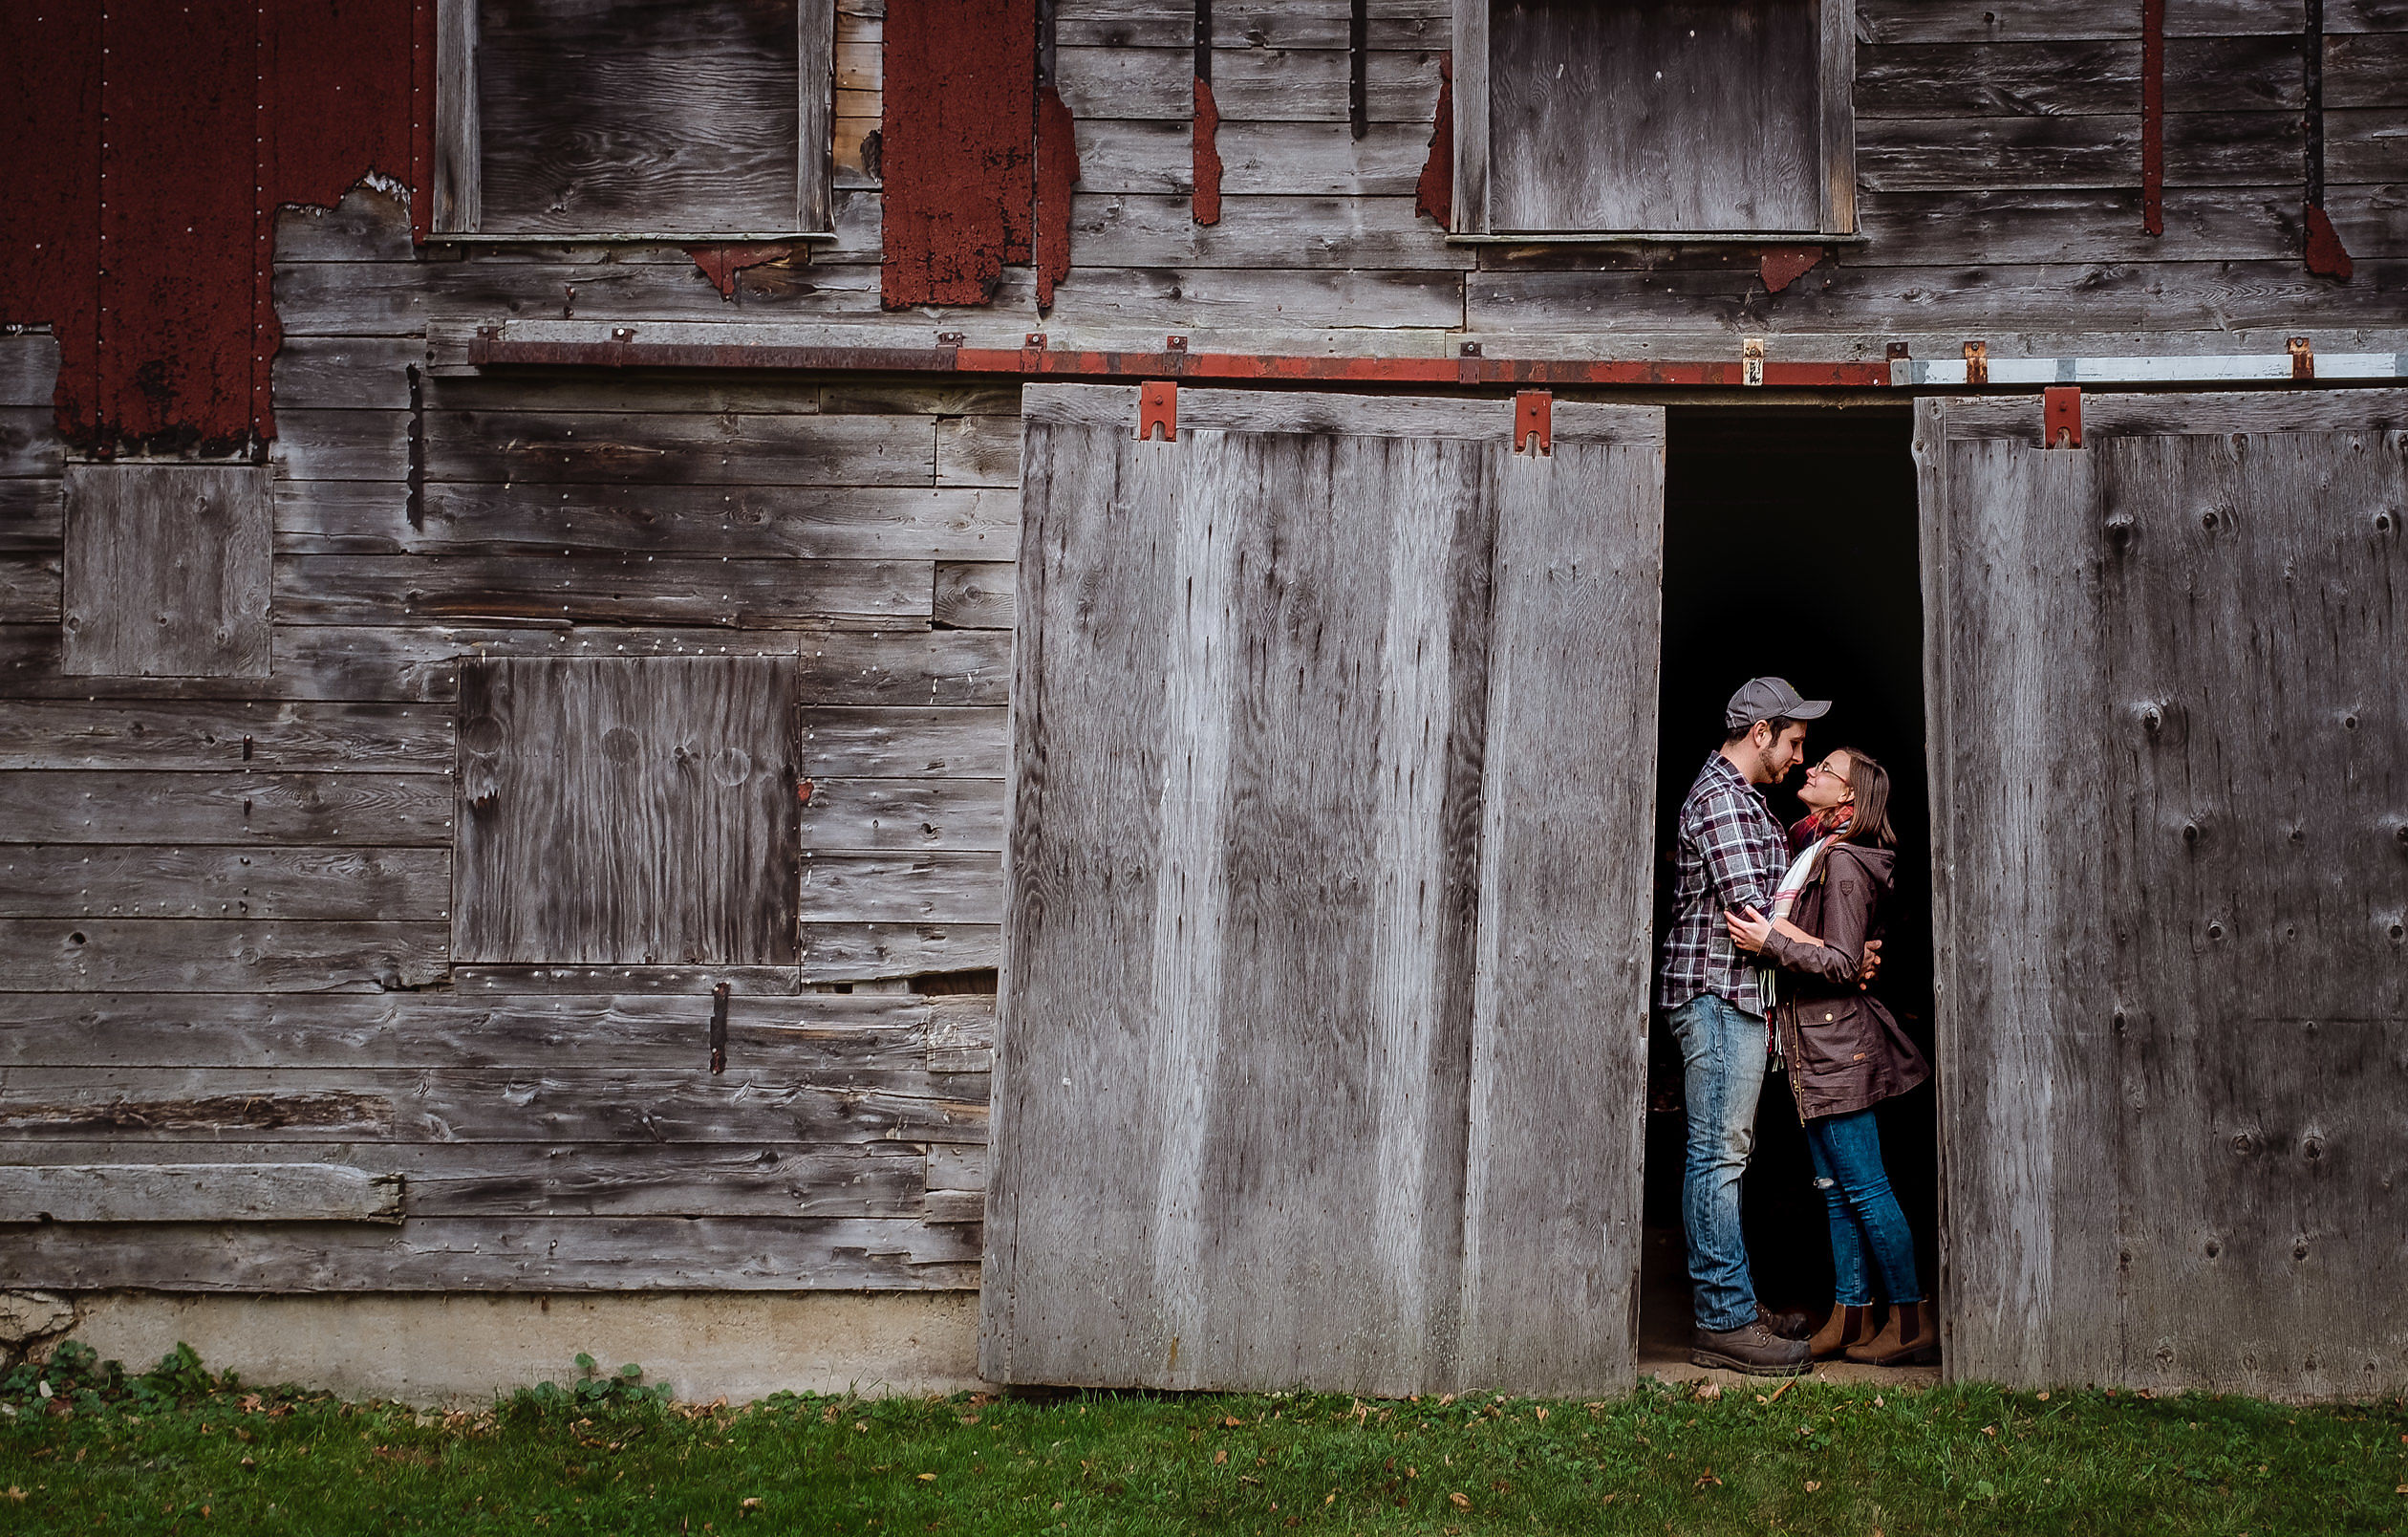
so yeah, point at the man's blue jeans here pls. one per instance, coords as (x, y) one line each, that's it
(1868, 1232)
(1723, 1047)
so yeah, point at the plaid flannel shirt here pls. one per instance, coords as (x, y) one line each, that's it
(1730, 853)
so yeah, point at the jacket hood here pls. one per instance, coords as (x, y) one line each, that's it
(1878, 863)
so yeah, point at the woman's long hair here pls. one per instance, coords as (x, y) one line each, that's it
(1870, 823)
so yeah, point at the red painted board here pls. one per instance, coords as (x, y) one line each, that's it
(956, 148)
(179, 149)
(1434, 193)
(50, 184)
(1205, 202)
(1057, 173)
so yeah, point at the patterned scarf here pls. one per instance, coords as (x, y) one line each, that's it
(1829, 822)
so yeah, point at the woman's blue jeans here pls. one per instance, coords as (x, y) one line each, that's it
(1868, 1232)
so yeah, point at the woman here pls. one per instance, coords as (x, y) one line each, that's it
(1844, 1053)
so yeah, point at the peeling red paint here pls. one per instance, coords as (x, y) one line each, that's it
(957, 147)
(721, 263)
(172, 132)
(1057, 173)
(1435, 194)
(1206, 205)
(1780, 266)
(2327, 257)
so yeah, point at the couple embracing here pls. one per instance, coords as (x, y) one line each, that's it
(1774, 935)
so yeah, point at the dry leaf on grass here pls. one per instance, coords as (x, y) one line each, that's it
(1461, 1502)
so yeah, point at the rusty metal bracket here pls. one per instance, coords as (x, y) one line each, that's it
(1751, 361)
(1977, 362)
(2302, 357)
(2061, 417)
(718, 1029)
(1158, 406)
(1534, 421)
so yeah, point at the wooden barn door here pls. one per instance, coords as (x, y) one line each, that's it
(1323, 1039)
(2171, 815)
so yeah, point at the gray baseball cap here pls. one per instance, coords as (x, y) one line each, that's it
(1770, 699)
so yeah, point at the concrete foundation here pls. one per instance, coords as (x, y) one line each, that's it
(461, 1350)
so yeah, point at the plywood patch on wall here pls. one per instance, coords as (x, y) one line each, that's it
(167, 571)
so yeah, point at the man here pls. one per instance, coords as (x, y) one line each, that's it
(1730, 857)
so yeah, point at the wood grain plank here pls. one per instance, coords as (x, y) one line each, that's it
(118, 880)
(474, 1026)
(1303, 159)
(864, 952)
(946, 667)
(1551, 1220)
(628, 810)
(231, 735)
(197, 1192)
(854, 743)
(940, 887)
(167, 570)
(2074, 78)
(597, 589)
(979, 451)
(904, 813)
(973, 594)
(142, 805)
(492, 1180)
(566, 1254)
(30, 588)
(220, 955)
(1942, 153)
(1252, 84)
(809, 448)
(151, 1106)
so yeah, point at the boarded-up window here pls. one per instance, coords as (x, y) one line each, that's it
(1673, 117)
(628, 812)
(599, 117)
(1325, 1012)
(167, 571)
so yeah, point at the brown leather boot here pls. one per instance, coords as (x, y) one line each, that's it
(1911, 1337)
(1845, 1326)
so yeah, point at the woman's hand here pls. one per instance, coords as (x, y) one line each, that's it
(1748, 933)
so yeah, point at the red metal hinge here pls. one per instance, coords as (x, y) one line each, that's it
(1534, 421)
(1158, 406)
(2061, 417)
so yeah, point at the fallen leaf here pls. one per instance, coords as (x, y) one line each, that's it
(1707, 1477)
(14, 1493)
(928, 1478)
(1412, 1472)
(1708, 1392)
(1331, 1498)
(1540, 1413)
(1989, 1430)
(2044, 1398)
(1783, 1387)
(1056, 1505)
(1220, 1457)
(1232, 1421)
(1876, 1401)
(249, 1462)
(1812, 1485)
(749, 1503)
(1461, 1502)
(1761, 1398)
(1248, 1477)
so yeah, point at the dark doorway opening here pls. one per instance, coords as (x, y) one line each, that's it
(1790, 548)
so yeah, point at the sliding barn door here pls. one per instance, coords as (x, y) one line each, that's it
(1323, 1006)
(2167, 677)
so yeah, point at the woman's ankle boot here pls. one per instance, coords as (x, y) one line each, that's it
(1845, 1326)
(1911, 1336)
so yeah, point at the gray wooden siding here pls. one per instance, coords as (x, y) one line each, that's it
(1302, 958)
(2171, 891)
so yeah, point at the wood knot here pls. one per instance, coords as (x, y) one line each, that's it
(2190, 831)
(2383, 523)
(2208, 520)
(2153, 719)
(2214, 1248)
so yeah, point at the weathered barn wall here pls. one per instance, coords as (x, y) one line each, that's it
(229, 901)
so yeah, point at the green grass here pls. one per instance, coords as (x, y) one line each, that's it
(177, 1451)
